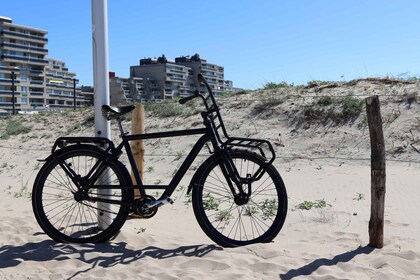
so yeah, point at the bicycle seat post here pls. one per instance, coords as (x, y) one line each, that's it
(119, 122)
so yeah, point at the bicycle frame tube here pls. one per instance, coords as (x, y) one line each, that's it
(169, 189)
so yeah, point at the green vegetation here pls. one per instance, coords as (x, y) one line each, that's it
(188, 199)
(164, 109)
(338, 110)
(74, 128)
(325, 101)
(15, 127)
(224, 216)
(315, 83)
(271, 85)
(241, 92)
(359, 196)
(173, 109)
(89, 121)
(210, 203)
(308, 205)
(250, 210)
(269, 208)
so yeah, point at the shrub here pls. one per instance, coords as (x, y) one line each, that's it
(308, 205)
(89, 121)
(271, 85)
(325, 101)
(15, 127)
(339, 110)
(315, 83)
(352, 107)
(164, 109)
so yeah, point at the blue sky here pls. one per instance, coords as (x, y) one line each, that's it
(256, 41)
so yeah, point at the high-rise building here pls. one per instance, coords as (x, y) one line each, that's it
(164, 79)
(27, 76)
(214, 74)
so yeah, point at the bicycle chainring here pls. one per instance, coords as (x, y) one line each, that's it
(142, 210)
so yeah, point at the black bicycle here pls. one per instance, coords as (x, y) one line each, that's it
(84, 194)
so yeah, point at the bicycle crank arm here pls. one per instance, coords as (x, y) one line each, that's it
(158, 203)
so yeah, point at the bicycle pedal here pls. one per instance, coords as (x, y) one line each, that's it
(159, 203)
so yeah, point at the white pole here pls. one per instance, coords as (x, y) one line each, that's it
(101, 86)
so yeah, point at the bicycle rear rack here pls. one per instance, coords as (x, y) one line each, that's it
(62, 142)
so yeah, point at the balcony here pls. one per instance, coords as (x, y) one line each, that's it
(24, 47)
(36, 82)
(171, 70)
(169, 78)
(8, 92)
(8, 80)
(10, 104)
(37, 72)
(15, 58)
(24, 35)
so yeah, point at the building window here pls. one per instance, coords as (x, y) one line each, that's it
(24, 100)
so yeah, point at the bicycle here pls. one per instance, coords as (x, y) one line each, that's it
(83, 193)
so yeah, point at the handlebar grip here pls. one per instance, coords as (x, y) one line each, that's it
(186, 99)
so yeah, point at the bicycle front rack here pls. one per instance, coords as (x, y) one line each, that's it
(260, 147)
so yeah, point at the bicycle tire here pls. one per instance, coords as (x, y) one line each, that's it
(222, 219)
(55, 201)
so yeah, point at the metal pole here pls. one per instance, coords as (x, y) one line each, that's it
(13, 92)
(74, 94)
(101, 89)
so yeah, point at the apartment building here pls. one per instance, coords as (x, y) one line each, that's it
(213, 73)
(60, 87)
(28, 76)
(164, 79)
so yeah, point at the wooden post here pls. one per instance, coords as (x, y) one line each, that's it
(378, 174)
(137, 127)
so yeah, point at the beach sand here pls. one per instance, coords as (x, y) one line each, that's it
(316, 163)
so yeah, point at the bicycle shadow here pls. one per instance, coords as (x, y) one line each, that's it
(308, 269)
(102, 255)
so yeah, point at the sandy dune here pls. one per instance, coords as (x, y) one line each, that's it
(317, 161)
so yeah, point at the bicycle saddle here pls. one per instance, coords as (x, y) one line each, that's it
(111, 111)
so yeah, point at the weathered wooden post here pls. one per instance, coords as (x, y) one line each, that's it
(378, 175)
(137, 127)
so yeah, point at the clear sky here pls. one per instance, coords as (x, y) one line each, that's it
(257, 41)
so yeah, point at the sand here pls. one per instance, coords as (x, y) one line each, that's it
(319, 162)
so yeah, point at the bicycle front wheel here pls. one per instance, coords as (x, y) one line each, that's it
(236, 223)
(67, 211)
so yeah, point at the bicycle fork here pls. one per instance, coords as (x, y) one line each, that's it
(232, 177)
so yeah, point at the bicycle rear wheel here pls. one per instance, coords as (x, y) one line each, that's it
(63, 208)
(236, 223)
